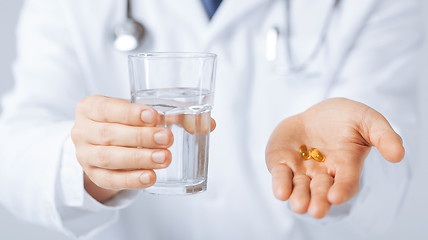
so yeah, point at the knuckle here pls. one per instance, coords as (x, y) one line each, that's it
(83, 105)
(137, 157)
(75, 134)
(300, 179)
(103, 158)
(130, 113)
(325, 178)
(318, 192)
(129, 181)
(104, 134)
(280, 168)
(107, 180)
(97, 176)
(140, 136)
(101, 108)
(80, 156)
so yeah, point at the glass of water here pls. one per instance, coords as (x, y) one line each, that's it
(180, 86)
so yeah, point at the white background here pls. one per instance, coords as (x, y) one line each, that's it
(412, 221)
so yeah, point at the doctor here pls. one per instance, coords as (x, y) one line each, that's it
(278, 62)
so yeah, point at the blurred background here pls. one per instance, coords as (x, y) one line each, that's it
(409, 225)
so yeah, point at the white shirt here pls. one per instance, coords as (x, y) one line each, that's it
(65, 53)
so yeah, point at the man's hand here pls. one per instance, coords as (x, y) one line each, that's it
(118, 144)
(344, 131)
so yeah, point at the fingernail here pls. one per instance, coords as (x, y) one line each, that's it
(145, 178)
(158, 157)
(147, 116)
(161, 137)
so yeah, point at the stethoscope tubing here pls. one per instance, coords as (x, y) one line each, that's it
(138, 33)
(299, 67)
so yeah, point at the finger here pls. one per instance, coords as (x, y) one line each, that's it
(113, 110)
(193, 123)
(300, 197)
(111, 134)
(112, 157)
(119, 180)
(197, 123)
(282, 182)
(346, 183)
(283, 146)
(213, 124)
(379, 133)
(284, 156)
(319, 204)
(282, 164)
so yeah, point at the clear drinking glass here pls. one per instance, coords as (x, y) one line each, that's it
(180, 86)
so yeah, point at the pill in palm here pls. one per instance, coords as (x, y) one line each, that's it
(317, 155)
(304, 152)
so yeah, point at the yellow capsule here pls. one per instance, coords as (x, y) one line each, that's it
(304, 153)
(317, 155)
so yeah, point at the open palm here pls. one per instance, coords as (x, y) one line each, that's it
(344, 131)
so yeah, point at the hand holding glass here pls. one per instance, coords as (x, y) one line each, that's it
(180, 86)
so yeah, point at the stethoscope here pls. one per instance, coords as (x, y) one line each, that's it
(130, 34)
(273, 47)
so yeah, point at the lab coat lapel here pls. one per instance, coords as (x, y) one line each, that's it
(192, 13)
(229, 14)
(344, 33)
(191, 18)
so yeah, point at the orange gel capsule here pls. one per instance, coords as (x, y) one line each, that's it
(304, 153)
(317, 155)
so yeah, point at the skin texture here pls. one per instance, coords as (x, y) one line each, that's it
(118, 144)
(344, 131)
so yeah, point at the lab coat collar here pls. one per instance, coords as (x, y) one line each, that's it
(229, 14)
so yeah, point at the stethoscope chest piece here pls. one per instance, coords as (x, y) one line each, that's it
(129, 35)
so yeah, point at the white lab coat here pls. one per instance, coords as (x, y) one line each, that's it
(65, 53)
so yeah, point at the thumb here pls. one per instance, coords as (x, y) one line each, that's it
(380, 134)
